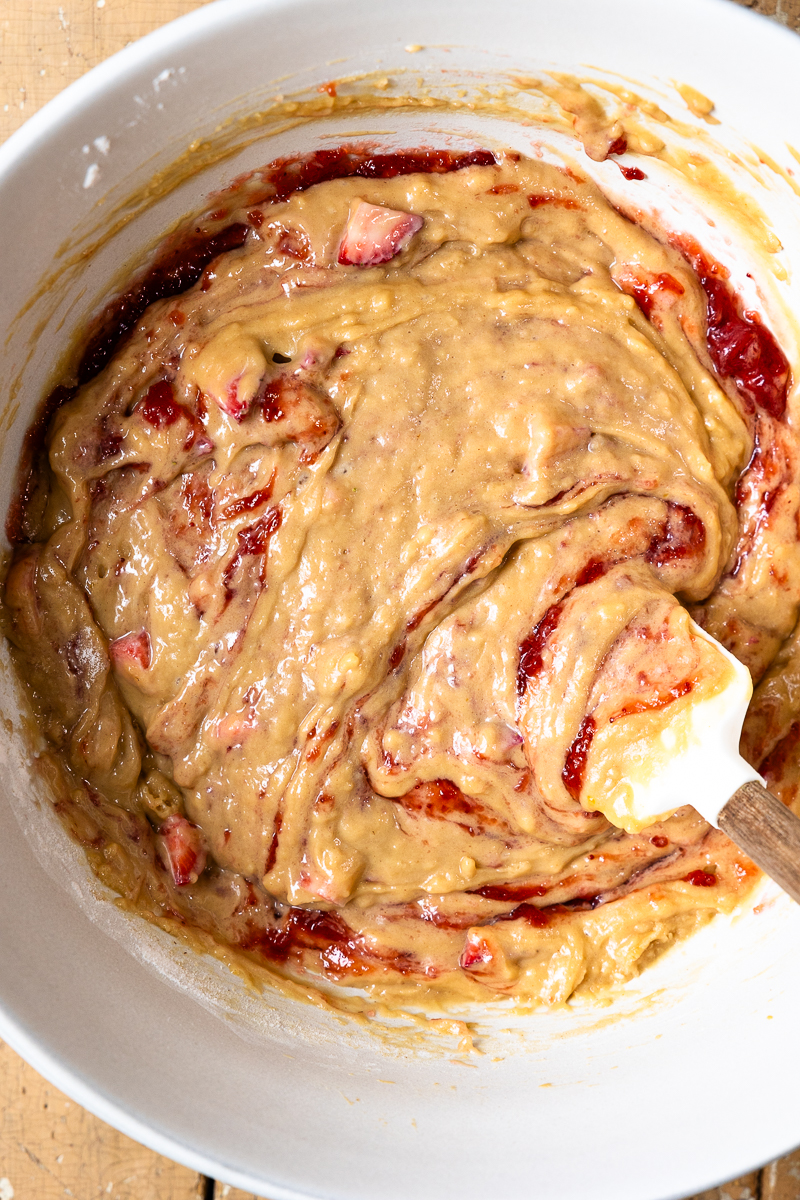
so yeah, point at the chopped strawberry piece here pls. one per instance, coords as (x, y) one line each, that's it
(236, 727)
(701, 878)
(300, 413)
(131, 650)
(476, 953)
(374, 234)
(232, 403)
(159, 407)
(295, 244)
(322, 885)
(183, 849)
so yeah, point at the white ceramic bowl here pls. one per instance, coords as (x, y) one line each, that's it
(689, 1078)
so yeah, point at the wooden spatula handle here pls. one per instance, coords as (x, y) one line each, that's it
(767, 831)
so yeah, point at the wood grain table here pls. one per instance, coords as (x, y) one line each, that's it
(51, 1148)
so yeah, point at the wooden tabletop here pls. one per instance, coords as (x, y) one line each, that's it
(51, 1148)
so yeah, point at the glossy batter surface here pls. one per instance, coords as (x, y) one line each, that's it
(359, 559)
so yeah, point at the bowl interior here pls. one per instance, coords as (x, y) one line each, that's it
(266, 1092)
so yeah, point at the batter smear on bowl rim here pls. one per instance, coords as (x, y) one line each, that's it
(365, 539)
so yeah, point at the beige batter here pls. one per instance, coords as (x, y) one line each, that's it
(346, 576)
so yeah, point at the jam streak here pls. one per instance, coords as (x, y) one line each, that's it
(273, 845)
(558, 201)
(645, 292)
(285, 176)
(440, 799)
(682, 535)
(774, 766)
(531, 651)
(247, 503)
(741, 348)
(341, 950)
(509, 892)
(575, 763)
(661, 701)
(174, 271)
(253, 540)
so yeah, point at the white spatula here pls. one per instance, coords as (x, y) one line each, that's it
(698, 763)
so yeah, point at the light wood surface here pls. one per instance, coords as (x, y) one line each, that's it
(47, 44)
(51, 1148)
